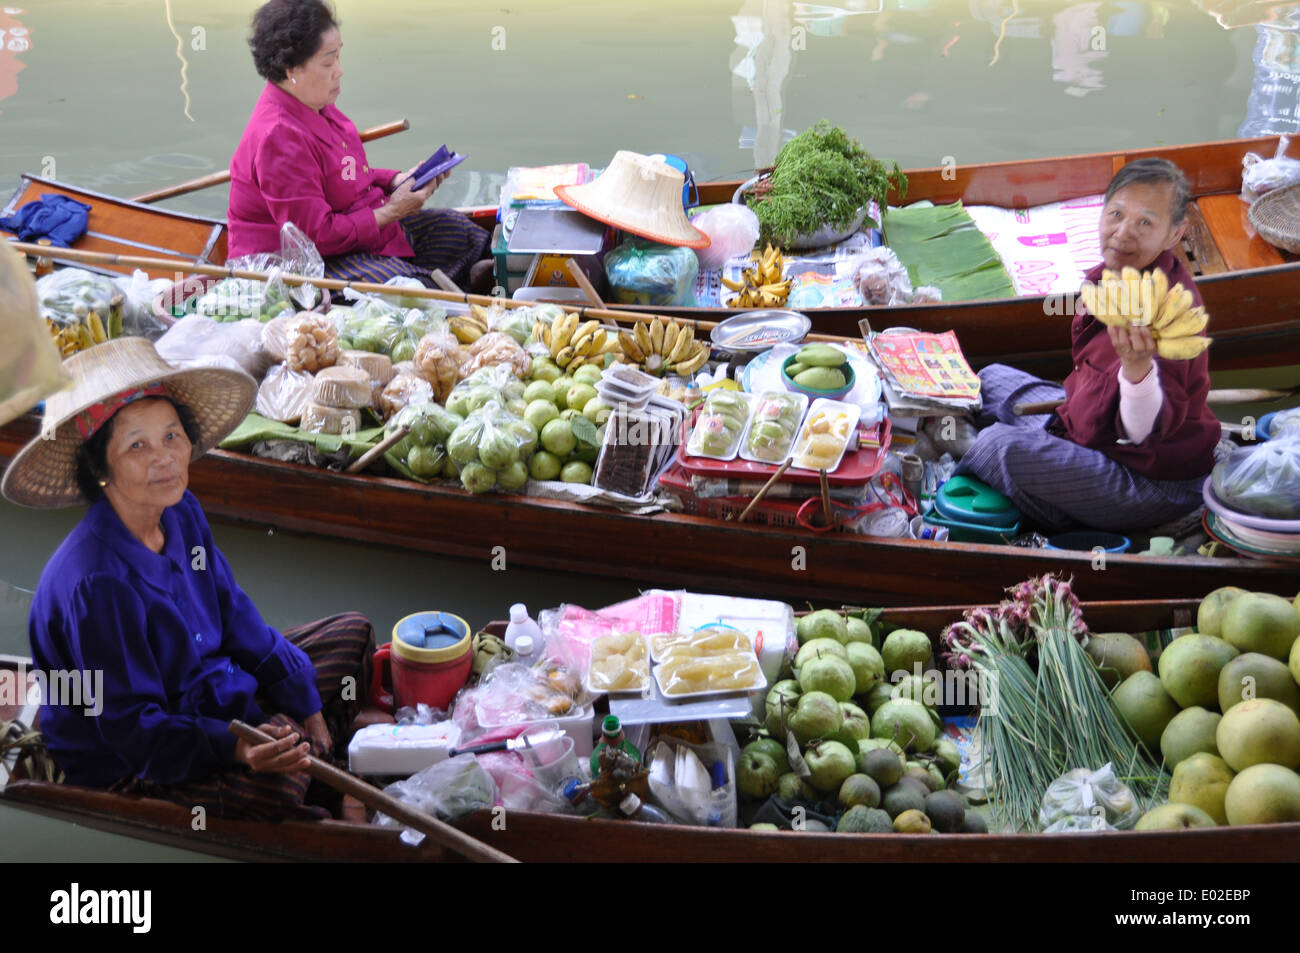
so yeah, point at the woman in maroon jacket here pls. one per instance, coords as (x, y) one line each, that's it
(1132, 443)
(301, 160)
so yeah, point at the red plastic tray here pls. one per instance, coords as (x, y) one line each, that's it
(857, 467)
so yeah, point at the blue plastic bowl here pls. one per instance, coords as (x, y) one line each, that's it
(1087, 540)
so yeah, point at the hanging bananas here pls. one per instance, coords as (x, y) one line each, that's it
(663, 345)
(1134, 299)
(761, 286)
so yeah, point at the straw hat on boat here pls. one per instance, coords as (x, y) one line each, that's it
(640, 195)
(104, 379)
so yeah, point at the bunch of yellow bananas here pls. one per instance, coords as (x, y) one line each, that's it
(572, 344)
(1137, 299)
(664, 344)
(761, 286)
(72, 338)
(468, 328)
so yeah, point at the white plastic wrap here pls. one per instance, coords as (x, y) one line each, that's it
(732, 230)
(195, 337)
(1084, 800)
(284, 394)
(1259, 176)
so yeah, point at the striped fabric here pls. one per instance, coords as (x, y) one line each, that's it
(440, 237)
(1056, 483)
(339, 647)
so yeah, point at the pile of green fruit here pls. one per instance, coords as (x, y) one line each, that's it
(1224, 711)
(845, 734)
(819, 367)
(570, 420)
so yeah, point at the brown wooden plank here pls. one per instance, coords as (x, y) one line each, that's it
(1227, 218)
(1199, 244)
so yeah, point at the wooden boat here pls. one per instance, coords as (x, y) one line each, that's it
(1250, 288)
(673, 549)
(545, 837)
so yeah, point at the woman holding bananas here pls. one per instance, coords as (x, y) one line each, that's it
(1130, 444)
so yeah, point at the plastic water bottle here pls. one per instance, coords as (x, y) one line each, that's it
(522, 624)
(524, 649)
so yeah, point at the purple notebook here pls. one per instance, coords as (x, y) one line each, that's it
(434, 166)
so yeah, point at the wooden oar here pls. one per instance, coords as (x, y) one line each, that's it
(444, 834)
(223, 175)
(181, 267)
(1227, 395)
(758, 497)
(370, 455)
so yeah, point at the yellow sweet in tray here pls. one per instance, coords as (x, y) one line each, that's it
(707, 660)
(619, 662)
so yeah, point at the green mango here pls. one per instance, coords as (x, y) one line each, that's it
(821, 378)
(820, 355)
(794, 367)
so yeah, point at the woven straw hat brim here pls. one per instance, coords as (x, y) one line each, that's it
(646, 205)
(43, 474)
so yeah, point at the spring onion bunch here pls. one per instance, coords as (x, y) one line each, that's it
(1050, 712)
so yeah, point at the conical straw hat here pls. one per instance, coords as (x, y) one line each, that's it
(639, 195)
(44, 474)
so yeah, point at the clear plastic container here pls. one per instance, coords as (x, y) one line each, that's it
(773, 426)
(721, 425)
(827, 431)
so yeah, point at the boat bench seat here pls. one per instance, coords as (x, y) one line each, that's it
(1229, 230)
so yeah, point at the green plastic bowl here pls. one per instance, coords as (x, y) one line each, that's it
(849, 378)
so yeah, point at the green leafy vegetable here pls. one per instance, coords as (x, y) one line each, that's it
(821, 177)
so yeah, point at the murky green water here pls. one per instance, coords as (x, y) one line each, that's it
(124, 97)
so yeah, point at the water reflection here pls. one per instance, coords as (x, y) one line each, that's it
(180, 55)
(1274, 104)
(15, 39)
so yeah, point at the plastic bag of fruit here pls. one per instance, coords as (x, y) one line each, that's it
(494, 382)
(422, 454)
(1085, 800)
(491, 448)
(1263, 480)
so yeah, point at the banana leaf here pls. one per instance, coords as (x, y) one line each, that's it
(256, 427)
(940, 245)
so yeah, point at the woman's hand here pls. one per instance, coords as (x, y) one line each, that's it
(282, 756)
(1136, 348)
(404, 201)
(319, 733)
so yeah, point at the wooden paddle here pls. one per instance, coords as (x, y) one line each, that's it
(180, 267)
(442, 833)
(370, 455)
(1227, 395)
(223, 175)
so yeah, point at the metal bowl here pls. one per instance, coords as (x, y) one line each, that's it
(826, 235)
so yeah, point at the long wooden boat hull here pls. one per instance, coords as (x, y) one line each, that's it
(544, 837)
(673, 549)
(1250, 288)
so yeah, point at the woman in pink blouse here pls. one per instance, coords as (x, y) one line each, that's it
(301, 160)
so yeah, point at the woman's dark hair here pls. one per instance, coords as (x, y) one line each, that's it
(92, 455)
(287, 33)
(1154, 172)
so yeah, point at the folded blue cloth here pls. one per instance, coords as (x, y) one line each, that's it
(60, 219)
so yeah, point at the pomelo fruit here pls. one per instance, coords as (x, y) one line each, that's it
(1209, 614)
(1190, 731)
(860, 819)
(1168, 817)
(1260, 731)
(1202, 780)
(903, 650)
(1146, 706)
(1118, 655)
(1261, 622)
(906, 722)
(1253, 675)
(1189, 669)
(1263, 794)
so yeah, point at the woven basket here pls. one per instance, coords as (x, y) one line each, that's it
(1276, 216)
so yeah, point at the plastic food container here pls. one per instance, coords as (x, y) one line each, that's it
(721, 425)
(621, 384)
(773, 426)
(829, 423)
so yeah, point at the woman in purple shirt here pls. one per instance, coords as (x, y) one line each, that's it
(301, 160)
(140, 600)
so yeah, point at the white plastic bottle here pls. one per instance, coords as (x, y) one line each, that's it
(524, 650)
(522, 624)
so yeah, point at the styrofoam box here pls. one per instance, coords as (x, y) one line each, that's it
(579, 726)
(400, 749)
